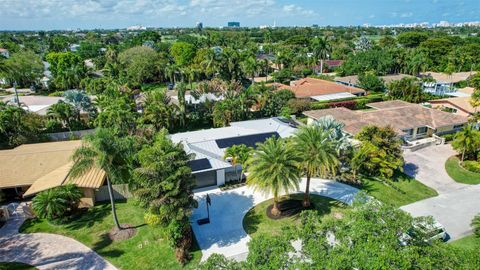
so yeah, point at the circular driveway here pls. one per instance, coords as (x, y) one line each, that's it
(225, 234)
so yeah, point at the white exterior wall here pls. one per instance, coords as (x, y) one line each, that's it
(220, 177)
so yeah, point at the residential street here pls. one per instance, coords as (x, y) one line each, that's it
(456, 204)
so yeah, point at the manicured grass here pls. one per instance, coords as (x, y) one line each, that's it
(147, 248)
(15, 266)
(460, 174)
(467, 242)
(401, 190)
(256, 221)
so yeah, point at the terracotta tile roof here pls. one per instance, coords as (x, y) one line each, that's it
(462, 103)
(398, 114)
(449, 78)
(353, 79)
(309, 87)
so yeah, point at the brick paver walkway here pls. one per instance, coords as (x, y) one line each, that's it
(46, 251)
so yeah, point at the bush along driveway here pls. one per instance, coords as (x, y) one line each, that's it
(459, 173)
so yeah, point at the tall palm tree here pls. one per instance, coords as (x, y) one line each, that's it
(317, 152)
(321, 50)
(104, 150)
(250, 67)
(273, 168)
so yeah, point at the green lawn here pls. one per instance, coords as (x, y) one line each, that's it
(459, 174)
(467, 242)
(401, 190)
(15, 266)
(256, 221)
(146, 249)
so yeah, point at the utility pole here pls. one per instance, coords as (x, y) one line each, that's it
(16, 93)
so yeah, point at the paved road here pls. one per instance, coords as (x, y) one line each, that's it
(456, 204)
(225, 234)
(46, 251)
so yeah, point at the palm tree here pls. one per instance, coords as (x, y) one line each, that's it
(238, 155)
(467, 141)
(273, 168)
(317, 152)
(104, 150)
(321, 50)
(250, 67)
(182, 103)
(63, 112)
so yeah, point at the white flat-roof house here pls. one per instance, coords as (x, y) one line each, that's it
(208, 145)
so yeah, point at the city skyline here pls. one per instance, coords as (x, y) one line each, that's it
(108, 14)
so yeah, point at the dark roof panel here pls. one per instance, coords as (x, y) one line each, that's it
(199, 164)
(248, 140)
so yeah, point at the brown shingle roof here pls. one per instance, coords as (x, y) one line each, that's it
(398, 114)
(309, 87)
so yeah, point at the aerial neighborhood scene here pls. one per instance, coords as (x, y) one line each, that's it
(278, 134)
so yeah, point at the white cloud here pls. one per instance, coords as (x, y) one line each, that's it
(406, 15)
(293, 9)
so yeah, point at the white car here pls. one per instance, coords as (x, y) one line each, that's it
(428, 230)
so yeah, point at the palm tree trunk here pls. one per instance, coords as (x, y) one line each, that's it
(112, 202)
(306, 198)
(275, 210)
(463, 154)
(321, 66)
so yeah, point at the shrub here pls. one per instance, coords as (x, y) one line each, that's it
(473, 166)
(350, 104)
(151, 219)
(57, 203)
(476, 225)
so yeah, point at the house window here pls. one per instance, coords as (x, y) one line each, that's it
(422, 130)
(458, 126)
(409, 131)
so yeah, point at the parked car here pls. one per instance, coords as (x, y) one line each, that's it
(424, 230)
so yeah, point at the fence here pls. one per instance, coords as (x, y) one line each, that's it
(69, 135)
(120, 192)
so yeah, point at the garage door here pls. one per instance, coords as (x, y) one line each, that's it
(206, 179)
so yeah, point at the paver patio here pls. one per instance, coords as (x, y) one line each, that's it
(225, 234)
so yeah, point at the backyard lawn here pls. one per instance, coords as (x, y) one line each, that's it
(15, 266)
(459, 174)
(401, 190)
(467, 242)
(256, 221)
(146, 248)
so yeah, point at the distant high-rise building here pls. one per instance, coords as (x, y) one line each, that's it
(233, 24)
(199, 26)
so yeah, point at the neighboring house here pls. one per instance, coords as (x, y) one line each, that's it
(457, 105)
(410, 121)
(4, 52)
(32, 168)
(74, 47)
(444, 83)
(36, 104)
(190, 99)
(208, 146)
(353, 79)
(320, 90)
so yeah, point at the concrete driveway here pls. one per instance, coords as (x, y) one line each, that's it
(225, 234)
(456, 204)
(428, 166)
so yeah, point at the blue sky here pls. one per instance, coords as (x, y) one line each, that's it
(88, 14)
